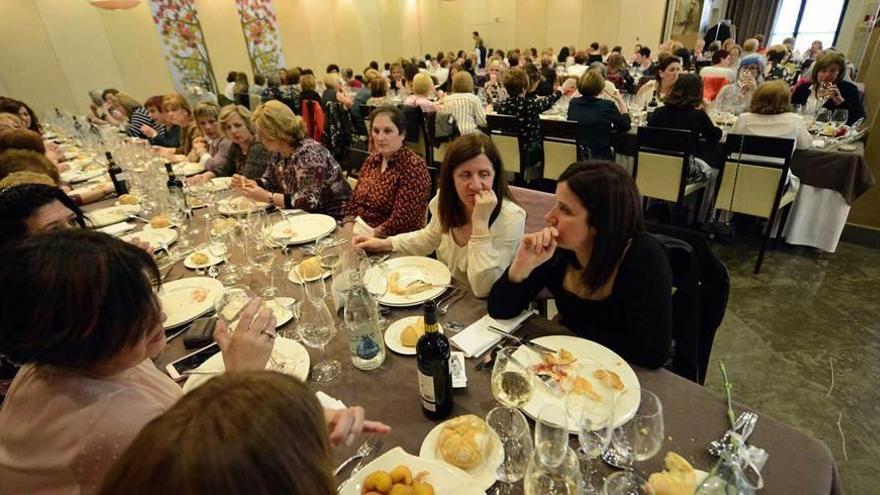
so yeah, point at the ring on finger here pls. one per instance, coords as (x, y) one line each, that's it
(269, 333)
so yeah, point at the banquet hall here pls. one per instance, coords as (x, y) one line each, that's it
(439, 246)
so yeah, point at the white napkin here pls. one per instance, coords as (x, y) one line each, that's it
(477, 338)
(117, 228)
(329, 402)
(361, 227)
(291, 212)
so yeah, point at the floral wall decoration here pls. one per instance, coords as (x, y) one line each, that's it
(260, 28)
(183, 43)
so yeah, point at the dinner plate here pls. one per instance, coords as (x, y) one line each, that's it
(188, 168)
(292, 354)
(221, 183)
(444, 478)
(484, 475)
(300, 229)
(227, 208)
(172, 225)
(153, 237)
(103, 217)
(212, 260)
(410, 268)
(392, 335)
(186, 299)
(293, 275)
(75, 176)
(590, 357)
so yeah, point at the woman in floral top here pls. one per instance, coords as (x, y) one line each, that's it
(394, 186)
(779, 66)
(305, 177)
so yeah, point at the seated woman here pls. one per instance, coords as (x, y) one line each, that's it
(289, 449)
(25, 139)
(212, 149)
(137, 116)
(306, 176)
(379, 93)
(465, 107)
(827, 84)
(618, 74)
(720, 67)
(779, 65)
(495, 92)
(29, 158)
(179, 114)
(396, 83)
(770, 114)
(475, 224)
(241, 90)
(394, 186)
(598, 118)
(31, 204)
(309, 89)
(736, 96)
(248, 157)
(161, 135)
(96, 345)
(666, 72)
(611, 279)
(422, 86)
(28, 117)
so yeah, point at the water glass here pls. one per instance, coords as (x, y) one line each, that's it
(512, 380)
(593, 421)
(315, 327)
(641, 437)
(839, 117)
(551, 435)
(626, 483)
(516, 440)
(230, 303)
(265, 259)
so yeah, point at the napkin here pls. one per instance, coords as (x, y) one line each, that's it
(361, 227)
(294, 211)
(477, 338)
(117, 228)
(329, 402)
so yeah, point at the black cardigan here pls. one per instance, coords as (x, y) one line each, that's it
(852, 100)
(597, 118)
(634, 321)
(706, 134)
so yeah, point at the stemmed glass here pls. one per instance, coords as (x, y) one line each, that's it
(316, 328)
(516, 440)
(265, 260)
(626, 483)
(640, 438)
(554, 468)
(512, 383)
(551, 435)
(839, 118)
(218, 234)
(594, 423)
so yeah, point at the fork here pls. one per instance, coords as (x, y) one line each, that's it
(378, 445)
(744, 425)
(363, 451)
(443, 308)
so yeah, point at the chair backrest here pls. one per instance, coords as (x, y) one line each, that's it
(661, 163)
(560, 146)
(255, 101)
(504, 132)
(414, 120)
(712, 86)
(536, 204)
(754, 174)
(701, 64)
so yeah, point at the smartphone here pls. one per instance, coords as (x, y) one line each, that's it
(176, 369)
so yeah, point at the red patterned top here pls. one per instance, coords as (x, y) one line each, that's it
(396, 200)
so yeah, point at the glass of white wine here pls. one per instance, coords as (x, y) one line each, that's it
(512, 382)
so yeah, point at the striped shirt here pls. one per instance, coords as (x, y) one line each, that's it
(467, 110)
(139, 117)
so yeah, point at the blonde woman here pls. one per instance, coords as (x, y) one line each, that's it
(211, 149)
(305, 176)
(179, 114)
(248, 157)
(422, 86)
(464, 105)
(495, 92)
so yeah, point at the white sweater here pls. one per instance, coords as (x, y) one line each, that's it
(479, 263)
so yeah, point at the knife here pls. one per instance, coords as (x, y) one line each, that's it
(531, 345)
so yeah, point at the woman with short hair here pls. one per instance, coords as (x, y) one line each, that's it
(495, 92)
(610, 278)
(779, 66)
(212, 149)
(597, 117)
(736, 96)
(475, 224)
(465, 107)
(770, 114)
(168, 137)
(379, 93)
(827, 84)
(34, 207)
(247, 157)
(137, 115)
(179, 114)
(422, 86)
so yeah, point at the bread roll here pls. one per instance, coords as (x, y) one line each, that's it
(160, 222)
(129, 199)
(461, 441)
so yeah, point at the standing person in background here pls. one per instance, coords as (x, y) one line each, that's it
(241, 90)
(259, 85)
(228, 90)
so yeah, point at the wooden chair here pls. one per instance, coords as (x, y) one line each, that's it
(560, 146)
(505, 133)
(661, 167)
(754, 181)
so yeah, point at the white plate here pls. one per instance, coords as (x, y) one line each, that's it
(188, 168)
(411, 268)
(225, 208)
(212, 260)
(294, 355)
(293, 276)
(301, 229)
(154, 237)
(150, 227)
(392, 335)
(103, 217)
(483, 475)
(590, 357)
(177, 302)
(221, 183)
(445, 479)
(74, 176)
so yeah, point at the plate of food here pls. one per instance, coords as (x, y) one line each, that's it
(188, 168)
(155, 237)
(300, 229)
(402, 335)
(186, 299)
(103, 217)
(240, 205)
(75, 176)
(467, 443)
(128, 199)
(201, 259)
(397, 467)
(159, 222)
(288, 357)
(309, 269)
(408, 280)
(583, 367)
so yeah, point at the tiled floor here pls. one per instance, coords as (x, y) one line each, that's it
(783, 331)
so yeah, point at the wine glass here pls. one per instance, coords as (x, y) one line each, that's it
(516, 440)
(626, 483)
(230, 303)
(316, 328)
(839, 117)
(593, 421)
(511, 379)
(238, 236)
(265, 259)
(551, 435)
(641, 438)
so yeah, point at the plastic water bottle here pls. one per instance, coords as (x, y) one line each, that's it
(365, 343)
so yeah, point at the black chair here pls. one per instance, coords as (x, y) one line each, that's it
(560, 146)
(754, 178)
(504, 130)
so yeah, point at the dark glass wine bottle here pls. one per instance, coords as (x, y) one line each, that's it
(432, 357)
(175, 185)
(117, 175)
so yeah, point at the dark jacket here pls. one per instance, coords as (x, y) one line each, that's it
(852, 100)
(596, 119)
(706, 134)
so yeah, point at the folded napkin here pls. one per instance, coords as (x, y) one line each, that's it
(329, 402)
(117, 228)
(477, 338)
(361, 227)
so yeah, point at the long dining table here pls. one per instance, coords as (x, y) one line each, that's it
(693, 415)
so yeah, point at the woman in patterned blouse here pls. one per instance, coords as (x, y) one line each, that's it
(306, 176)
(394, 186)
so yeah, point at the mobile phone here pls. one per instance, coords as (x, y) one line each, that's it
(176, 369)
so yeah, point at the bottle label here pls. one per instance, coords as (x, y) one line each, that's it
(426, 390)
(122, 176)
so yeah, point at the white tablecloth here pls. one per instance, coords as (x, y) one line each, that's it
(817, 218)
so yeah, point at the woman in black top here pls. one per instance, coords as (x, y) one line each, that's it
(597, 117)
(611, 279)
(829, 86)
(683, 109)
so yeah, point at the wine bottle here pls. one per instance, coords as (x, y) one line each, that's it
(652, 105)
(432, 358)
(175, 185)
(117, 175)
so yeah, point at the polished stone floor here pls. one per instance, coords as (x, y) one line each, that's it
(784, 330)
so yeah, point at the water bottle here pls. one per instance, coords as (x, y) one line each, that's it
(365, 343)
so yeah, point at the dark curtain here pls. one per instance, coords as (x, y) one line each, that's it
(752, 17)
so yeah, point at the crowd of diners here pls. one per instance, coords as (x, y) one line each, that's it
(88, 412)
